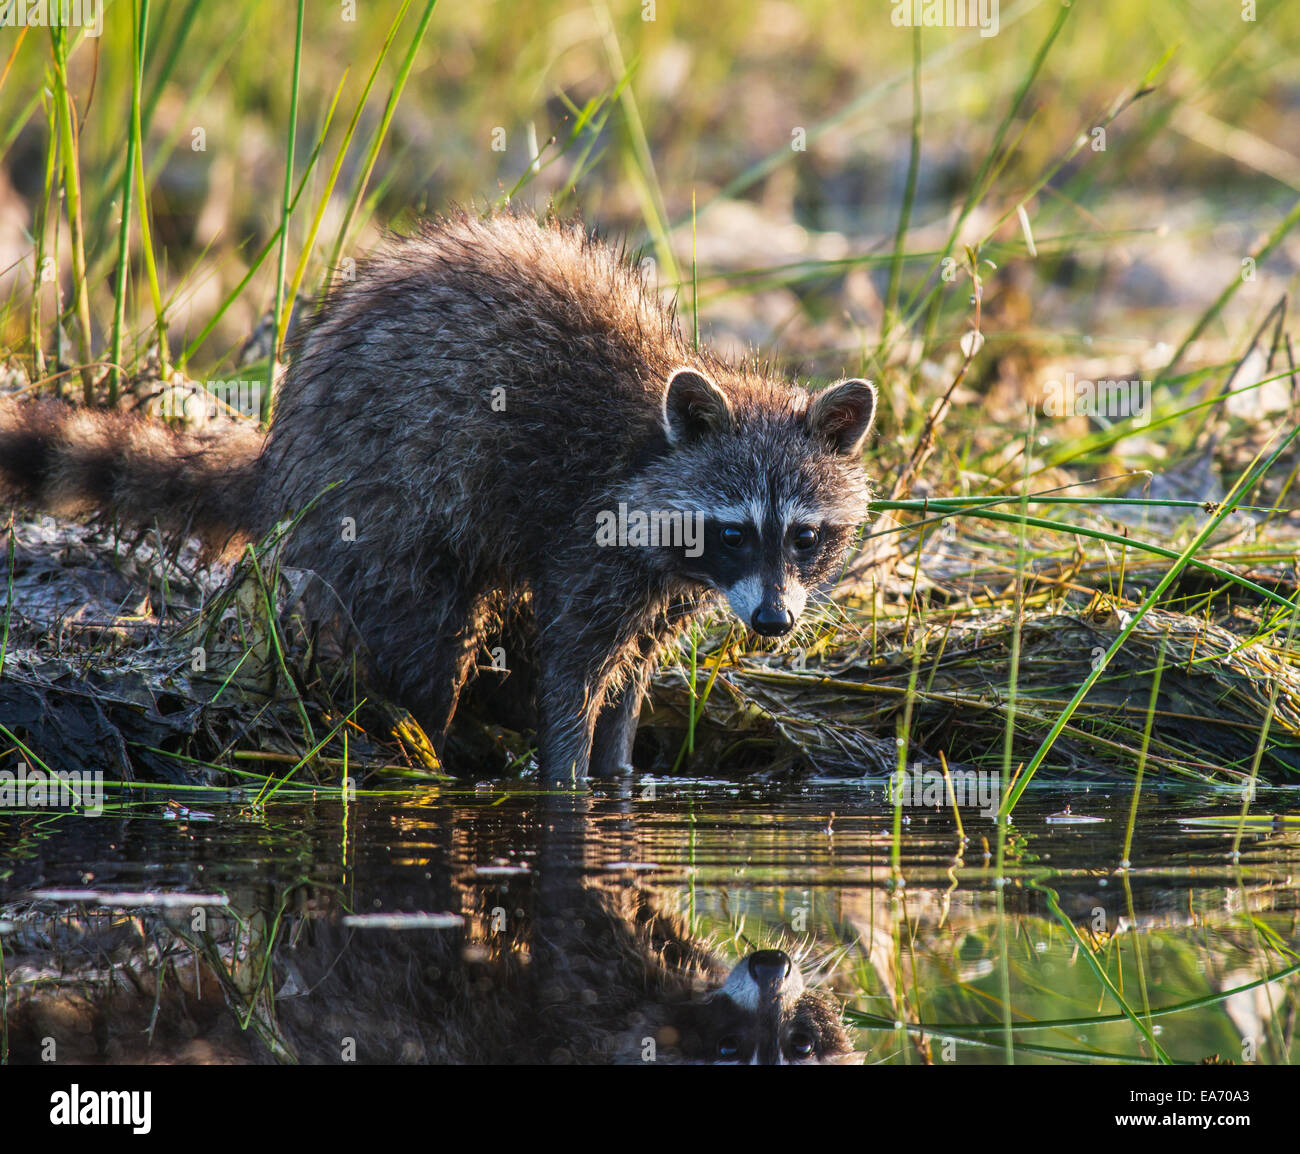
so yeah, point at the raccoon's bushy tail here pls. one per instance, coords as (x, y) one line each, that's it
(72, 461)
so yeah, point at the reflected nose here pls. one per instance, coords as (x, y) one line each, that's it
(772, 621)
(770, 971)
(769, 968)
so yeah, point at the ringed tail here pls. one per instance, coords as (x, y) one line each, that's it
(77, 462)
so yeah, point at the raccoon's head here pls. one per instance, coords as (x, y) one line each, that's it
(764, 1015)
(774, 481)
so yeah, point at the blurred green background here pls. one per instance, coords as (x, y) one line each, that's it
(819, 233)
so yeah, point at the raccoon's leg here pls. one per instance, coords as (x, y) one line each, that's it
(443, 664)
(615, 733)
(454, 660)
(583, 725)
(448, 667)
(611, 743)
(577, 654)
(616, 726)
(566, 717)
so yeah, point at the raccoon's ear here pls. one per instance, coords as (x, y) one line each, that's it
(841, 415)
(693, 406)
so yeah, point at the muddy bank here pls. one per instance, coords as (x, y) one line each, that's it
(151, 668)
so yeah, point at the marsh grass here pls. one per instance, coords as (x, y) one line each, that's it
(1024, 197)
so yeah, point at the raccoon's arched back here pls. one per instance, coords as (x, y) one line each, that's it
(553, 287)
(576, 282)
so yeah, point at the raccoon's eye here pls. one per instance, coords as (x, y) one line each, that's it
(805, 538)
(728, 1047)
(732, 536)
(801, 1044)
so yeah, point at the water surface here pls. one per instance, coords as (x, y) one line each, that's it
(935, 953)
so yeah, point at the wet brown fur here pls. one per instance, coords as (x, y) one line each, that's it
(459, 505)
(75, 462)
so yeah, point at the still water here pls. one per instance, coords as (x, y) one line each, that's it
(498, 924)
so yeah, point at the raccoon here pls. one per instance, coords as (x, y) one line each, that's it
(496, 416)
(617, 980)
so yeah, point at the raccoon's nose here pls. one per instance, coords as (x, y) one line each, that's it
(769, 968)
(772, 621)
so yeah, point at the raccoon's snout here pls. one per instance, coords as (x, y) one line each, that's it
(772, 620)
(770, 608)
(769, 968)
(770, 971)
(763, 1014)
(763, 978)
